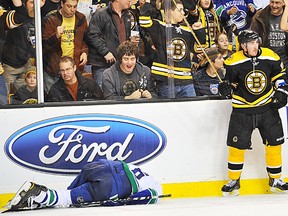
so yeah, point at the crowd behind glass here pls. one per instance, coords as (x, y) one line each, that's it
(118, 50)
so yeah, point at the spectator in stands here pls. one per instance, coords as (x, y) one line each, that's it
(19, 48)
(100, 3)
(266, 23)
(222, 44)
(144, 41)
(9, 20)
(71, 86)
(206, 80)
(203, 11)
(27, 94)
(284, 19)
(64, 32)
(183, 43)
(128, 78)
(50, 5)
(108, 28)
(232, 12)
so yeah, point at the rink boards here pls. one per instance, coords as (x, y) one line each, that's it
(182, 143)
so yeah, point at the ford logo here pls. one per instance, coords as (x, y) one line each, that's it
(63, 145)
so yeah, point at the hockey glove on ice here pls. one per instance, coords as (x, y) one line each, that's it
(280, 97)
(225, 89)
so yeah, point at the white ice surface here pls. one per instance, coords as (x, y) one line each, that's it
(256, 205)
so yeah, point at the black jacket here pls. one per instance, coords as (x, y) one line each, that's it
(9, 20)
(87, 90)
(102, 36)
(18, 47)
(24, 96)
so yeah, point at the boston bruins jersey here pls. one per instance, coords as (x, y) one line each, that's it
(254, 79)
(182, 46)
(9, 20)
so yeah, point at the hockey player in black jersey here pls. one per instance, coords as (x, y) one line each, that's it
(259, 90)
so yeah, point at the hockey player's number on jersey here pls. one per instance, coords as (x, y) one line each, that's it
(138, 173)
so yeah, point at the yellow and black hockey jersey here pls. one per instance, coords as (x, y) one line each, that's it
(10, 19)
(254, 79)
(182, 47)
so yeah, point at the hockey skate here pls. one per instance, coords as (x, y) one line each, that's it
(231, 188)
(278, 186)
(23, 199)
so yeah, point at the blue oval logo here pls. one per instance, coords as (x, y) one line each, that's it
(64, 145)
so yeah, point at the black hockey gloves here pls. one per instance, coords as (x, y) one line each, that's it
(280, 97)
(225, 89)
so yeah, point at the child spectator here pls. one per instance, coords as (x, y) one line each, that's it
(206, 80)
(27, 94)
(223, 45)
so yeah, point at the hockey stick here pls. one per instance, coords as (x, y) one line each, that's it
(101, 203)
(197, 41)
(91, 204)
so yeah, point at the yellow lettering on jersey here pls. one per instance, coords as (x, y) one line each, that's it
(67, 38)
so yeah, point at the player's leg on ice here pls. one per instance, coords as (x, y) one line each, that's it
(31, 196)
(235, 166)
(271, 131)
(274, 169)
(240, 130)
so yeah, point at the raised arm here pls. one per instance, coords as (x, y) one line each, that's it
(17, 3)
(284, 19)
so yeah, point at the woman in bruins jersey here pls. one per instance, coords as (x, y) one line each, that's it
(258, 77)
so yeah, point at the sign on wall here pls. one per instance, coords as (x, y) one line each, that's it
(65, 144)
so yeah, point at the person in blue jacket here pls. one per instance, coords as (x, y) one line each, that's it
(232, 12)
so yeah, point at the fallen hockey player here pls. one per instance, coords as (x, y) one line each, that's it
(104, 182)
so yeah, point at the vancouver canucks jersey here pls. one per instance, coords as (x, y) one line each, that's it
(182, 46)
(253, 78)
(145, 189)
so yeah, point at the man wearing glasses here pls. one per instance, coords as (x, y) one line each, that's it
(63, 35)
(71, 86)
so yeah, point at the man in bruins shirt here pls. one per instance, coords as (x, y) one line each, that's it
(259, 90)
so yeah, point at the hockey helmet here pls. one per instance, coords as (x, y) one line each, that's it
(248, 35)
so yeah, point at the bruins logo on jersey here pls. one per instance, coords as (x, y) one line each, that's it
(31, 101)
(256, 82)
(179, 47)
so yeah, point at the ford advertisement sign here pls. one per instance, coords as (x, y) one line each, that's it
(63, 145)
